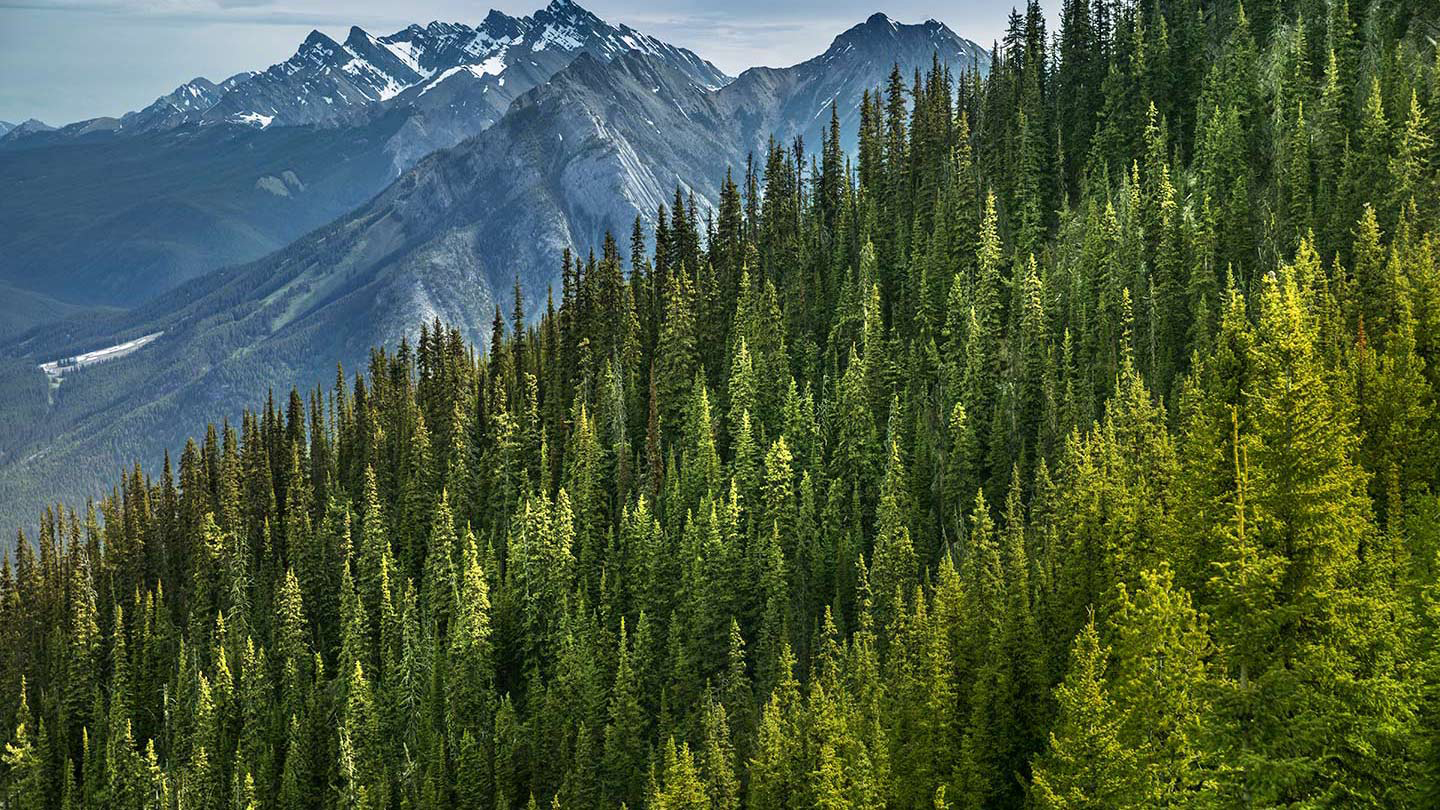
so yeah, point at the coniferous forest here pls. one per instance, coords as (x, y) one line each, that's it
(1074, 444)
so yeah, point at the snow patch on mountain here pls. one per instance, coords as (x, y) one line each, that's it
(253, 119)
(405, 51)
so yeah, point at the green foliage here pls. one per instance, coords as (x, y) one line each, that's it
(1087, 765)
(1065, 461)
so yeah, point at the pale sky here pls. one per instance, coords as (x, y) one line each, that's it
(66, 60)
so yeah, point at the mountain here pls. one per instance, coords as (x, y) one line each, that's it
(112, 211)
(323, 83)
(30, 126)
(797, 100)
(520, 54)
(583, 153)
(604, 142)
(473, 73)
(5, 126)
(330, 83)
(185, 104)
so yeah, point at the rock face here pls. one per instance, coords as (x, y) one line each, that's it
(604, 139)
(115, 210)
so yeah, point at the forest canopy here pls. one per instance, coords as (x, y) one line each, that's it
(1074, 444)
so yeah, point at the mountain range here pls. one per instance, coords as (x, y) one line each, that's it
(115, 210)
(609, 136)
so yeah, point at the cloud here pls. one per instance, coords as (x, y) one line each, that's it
(715, 21)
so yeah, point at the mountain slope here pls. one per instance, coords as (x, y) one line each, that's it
(582, 154)
(119, 220)
(113, 211)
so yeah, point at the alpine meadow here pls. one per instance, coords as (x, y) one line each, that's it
(1062, 432)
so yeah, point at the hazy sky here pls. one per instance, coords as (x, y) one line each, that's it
(64, 60)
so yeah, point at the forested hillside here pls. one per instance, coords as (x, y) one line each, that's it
(1072, 446)
(573, 159)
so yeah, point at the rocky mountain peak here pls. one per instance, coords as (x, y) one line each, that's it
(317, 41)
(879, 34)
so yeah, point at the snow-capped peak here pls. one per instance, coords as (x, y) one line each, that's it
(326, 82)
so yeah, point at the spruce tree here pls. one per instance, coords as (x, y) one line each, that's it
(1086, 765)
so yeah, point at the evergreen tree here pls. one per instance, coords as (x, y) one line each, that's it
(1087, 765)
(25, 771)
